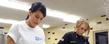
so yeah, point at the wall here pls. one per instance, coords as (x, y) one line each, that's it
(53, 35)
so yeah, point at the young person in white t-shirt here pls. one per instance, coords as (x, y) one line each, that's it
(28, 31)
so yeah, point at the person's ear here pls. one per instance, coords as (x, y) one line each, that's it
(75, 28)
(29, 13)
(88, 31)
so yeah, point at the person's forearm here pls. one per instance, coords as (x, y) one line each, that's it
(10, 40)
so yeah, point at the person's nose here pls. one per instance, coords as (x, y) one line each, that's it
(38, 21)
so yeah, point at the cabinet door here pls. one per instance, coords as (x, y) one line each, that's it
(101, 37)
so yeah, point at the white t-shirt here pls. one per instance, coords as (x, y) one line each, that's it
(21, 33)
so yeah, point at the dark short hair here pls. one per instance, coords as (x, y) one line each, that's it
(38, 6)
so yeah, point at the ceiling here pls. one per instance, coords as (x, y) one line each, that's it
(87, 9)
(84, 8)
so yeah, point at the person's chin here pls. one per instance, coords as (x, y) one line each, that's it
(35, 24)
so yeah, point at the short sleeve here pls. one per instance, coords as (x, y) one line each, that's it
(65, 39)
(13, 32)
(87, 42)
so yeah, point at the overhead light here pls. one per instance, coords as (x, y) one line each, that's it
(15, 4)
(8, 21)
(72, 18)
(45, 26)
